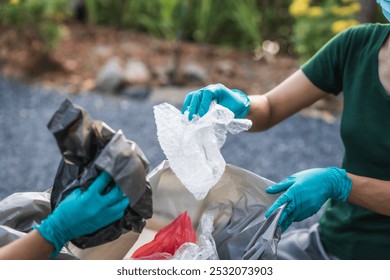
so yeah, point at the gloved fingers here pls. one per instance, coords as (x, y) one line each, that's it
(288, 212)
(187, 102)
(100, 183)
(113, 196)
(286, 223)
(279, 202)
(118, 209)
(74, 194)
(281, 186)
(208, 95)
(195, 103)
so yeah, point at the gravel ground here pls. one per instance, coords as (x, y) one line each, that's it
(29, 155)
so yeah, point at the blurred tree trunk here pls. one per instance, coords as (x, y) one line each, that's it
(79, 10)
(268, 21)
(122, 5)
(368, 11)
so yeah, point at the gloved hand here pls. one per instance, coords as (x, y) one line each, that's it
(307, 191)
(198, 102)
(385, 7)
(81, 213)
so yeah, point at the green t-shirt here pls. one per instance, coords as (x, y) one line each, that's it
(349, 64)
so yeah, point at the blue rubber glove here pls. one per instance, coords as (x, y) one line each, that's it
(81, 213)
(385, 7)
(198, 102)
(307, 191)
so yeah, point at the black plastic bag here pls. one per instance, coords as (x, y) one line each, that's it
(88, 147)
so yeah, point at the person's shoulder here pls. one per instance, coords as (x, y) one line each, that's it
(367, 29)
(363, 32)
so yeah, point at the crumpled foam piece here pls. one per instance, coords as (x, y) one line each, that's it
(193, 147)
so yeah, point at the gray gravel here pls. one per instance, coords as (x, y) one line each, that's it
(29, 155)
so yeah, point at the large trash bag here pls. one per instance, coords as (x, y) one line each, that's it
(88, 147)
(20, 212)
(238, 203)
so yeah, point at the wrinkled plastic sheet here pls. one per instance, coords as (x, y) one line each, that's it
(193, 147)
(20, 212)
(249, 235)
(237, 204)
(88, 147)
(204, 248)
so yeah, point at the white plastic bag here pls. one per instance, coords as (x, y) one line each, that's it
(193, 147)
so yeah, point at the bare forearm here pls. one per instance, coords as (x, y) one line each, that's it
(259, 112)
(30, 247)
(292, 95)
(370, 193)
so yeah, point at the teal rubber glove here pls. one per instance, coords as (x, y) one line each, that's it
(198, 102)
(307, 191)
(81, 213)
(385, 4)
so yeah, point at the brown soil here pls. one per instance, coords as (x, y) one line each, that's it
(74, 64)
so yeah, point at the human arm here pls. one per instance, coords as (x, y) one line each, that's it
(30, 247)
(80, 213)
(266, 110)
(306, 192)
(289, 97)
(370, 193)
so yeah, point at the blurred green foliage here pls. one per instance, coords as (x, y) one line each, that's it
(299, 26)
(243, 24)
(197, 20)
(36, 19)
(316, 22)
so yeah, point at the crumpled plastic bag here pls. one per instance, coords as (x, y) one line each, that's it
(88, 147)
(193, 147)
(168, 240)
(249, 235)
(205, 248)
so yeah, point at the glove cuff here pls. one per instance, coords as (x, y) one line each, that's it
(342, 184)
(49, 232)
(246, 105)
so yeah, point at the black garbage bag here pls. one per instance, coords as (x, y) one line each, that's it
(88, 147)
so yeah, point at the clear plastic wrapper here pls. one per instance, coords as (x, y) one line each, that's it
(205, 248)
(193, 147)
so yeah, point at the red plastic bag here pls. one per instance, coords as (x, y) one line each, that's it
(168, 239)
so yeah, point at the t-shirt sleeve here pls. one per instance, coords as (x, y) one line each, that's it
(325, 68)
